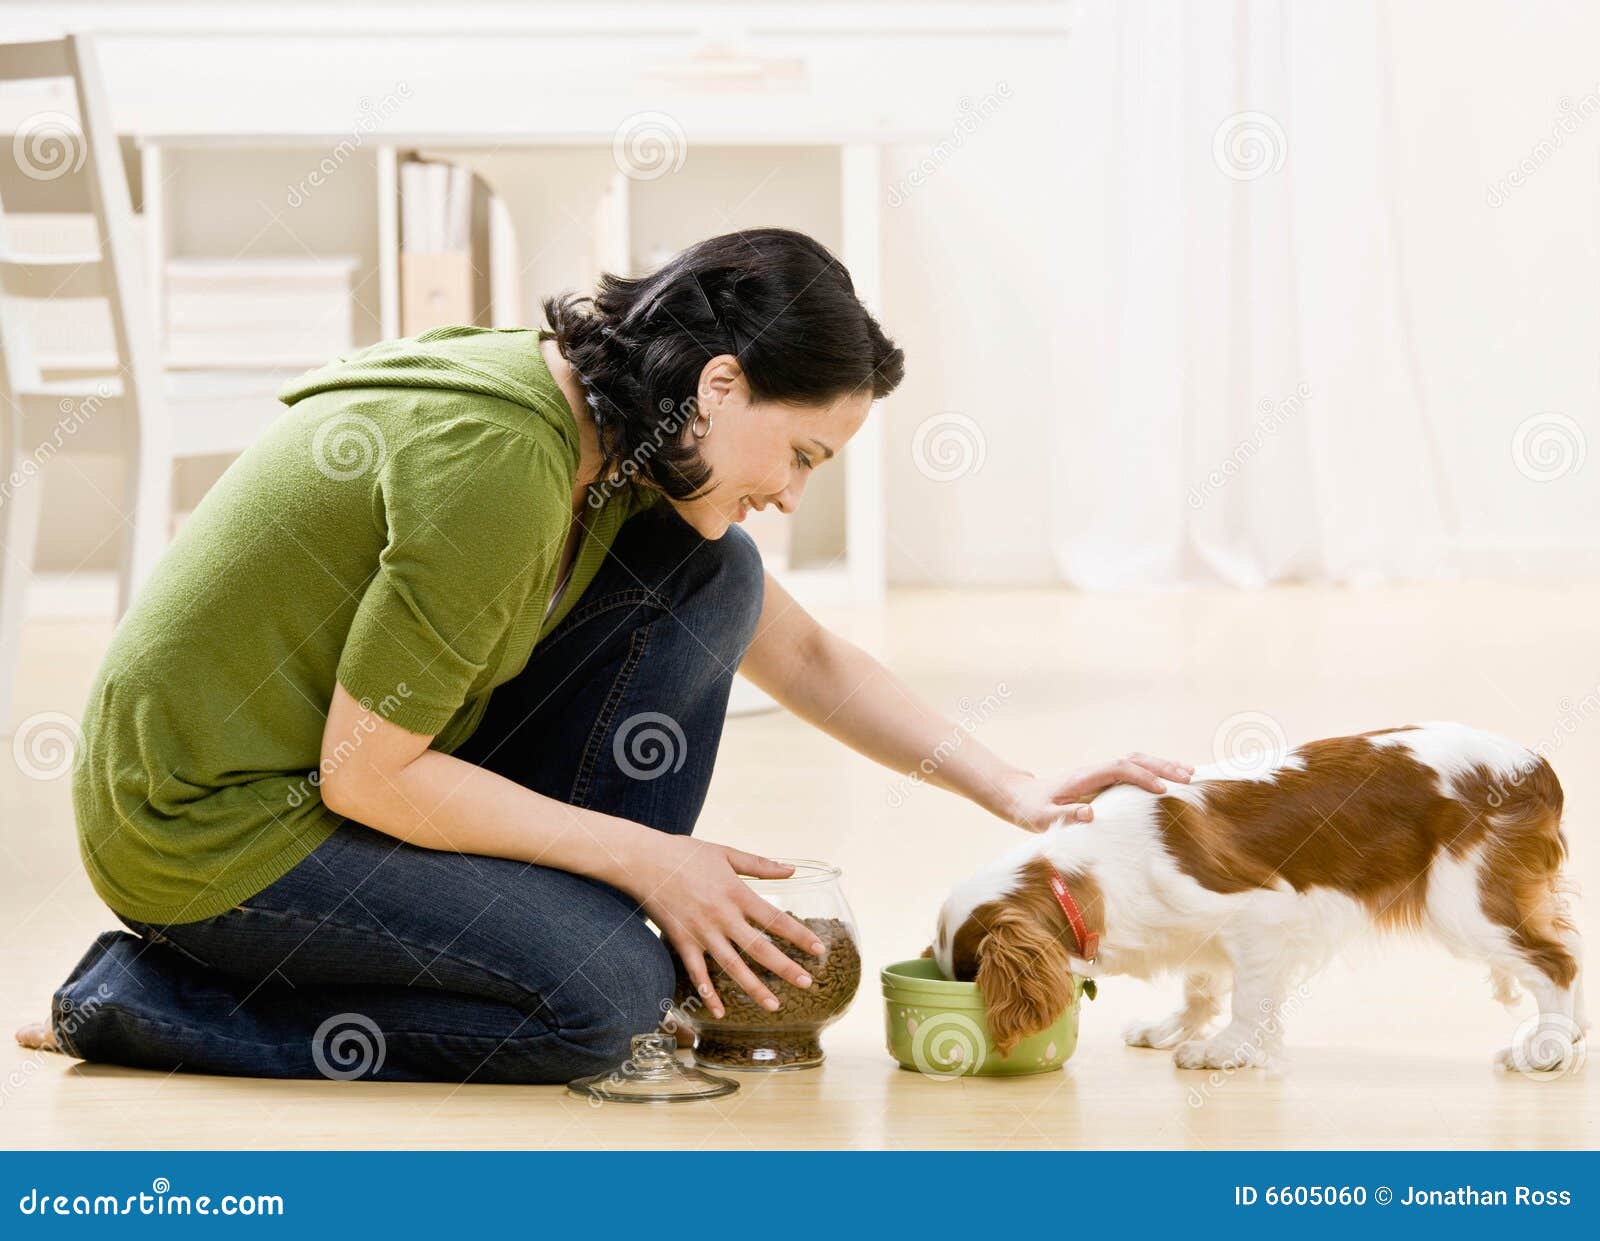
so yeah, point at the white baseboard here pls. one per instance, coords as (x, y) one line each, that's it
(1527, 560)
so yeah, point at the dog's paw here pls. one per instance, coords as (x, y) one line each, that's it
(1218, 1054)
(1549, 1057)
(1549, 1044)
(1158, 1034)
(1535, 1060)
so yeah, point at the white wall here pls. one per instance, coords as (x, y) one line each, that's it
(1508, 296)
(976, 283)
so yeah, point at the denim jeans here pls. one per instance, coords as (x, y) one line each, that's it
(373, 958)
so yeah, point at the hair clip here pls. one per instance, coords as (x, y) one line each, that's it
(706, 298)
(717, 319)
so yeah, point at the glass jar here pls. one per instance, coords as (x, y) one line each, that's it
(748, 1037)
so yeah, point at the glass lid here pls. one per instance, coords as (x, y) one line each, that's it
(652, 1073)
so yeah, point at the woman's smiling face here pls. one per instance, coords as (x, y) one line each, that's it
(761, 452)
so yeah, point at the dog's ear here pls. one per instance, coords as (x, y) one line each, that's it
(1024, 977)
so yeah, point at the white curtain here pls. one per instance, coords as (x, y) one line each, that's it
(1247, 404)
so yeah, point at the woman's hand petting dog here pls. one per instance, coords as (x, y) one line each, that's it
(1035, 803)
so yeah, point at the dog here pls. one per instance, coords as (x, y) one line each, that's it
(1247, 881)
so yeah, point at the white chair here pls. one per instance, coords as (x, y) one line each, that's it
(128, 411)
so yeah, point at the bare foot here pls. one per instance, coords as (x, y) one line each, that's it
(37, 1036)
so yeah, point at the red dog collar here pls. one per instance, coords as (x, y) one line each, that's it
(1087, 941)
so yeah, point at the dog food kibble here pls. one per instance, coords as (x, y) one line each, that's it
(750, 1037)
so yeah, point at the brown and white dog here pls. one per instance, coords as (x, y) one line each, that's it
(1246, 882)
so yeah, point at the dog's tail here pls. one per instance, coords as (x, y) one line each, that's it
(1522, 887)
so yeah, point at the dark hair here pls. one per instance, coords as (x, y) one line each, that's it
(775, 299)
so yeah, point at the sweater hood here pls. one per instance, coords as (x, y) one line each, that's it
(498, 362)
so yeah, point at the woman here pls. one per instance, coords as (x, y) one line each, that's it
(298, 792)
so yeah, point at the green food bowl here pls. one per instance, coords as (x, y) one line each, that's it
(938, 1028)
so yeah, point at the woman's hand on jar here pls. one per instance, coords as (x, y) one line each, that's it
(1035, 803)
(691, 889)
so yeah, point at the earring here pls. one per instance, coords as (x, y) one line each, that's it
(694, 426)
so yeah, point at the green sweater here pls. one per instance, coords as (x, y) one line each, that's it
(399, 529)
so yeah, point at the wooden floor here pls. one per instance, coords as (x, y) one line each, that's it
(1390, 1048)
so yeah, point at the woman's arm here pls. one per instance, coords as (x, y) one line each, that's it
(835, 685)
(387, 778)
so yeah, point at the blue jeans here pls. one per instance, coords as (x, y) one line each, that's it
(378, 959)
